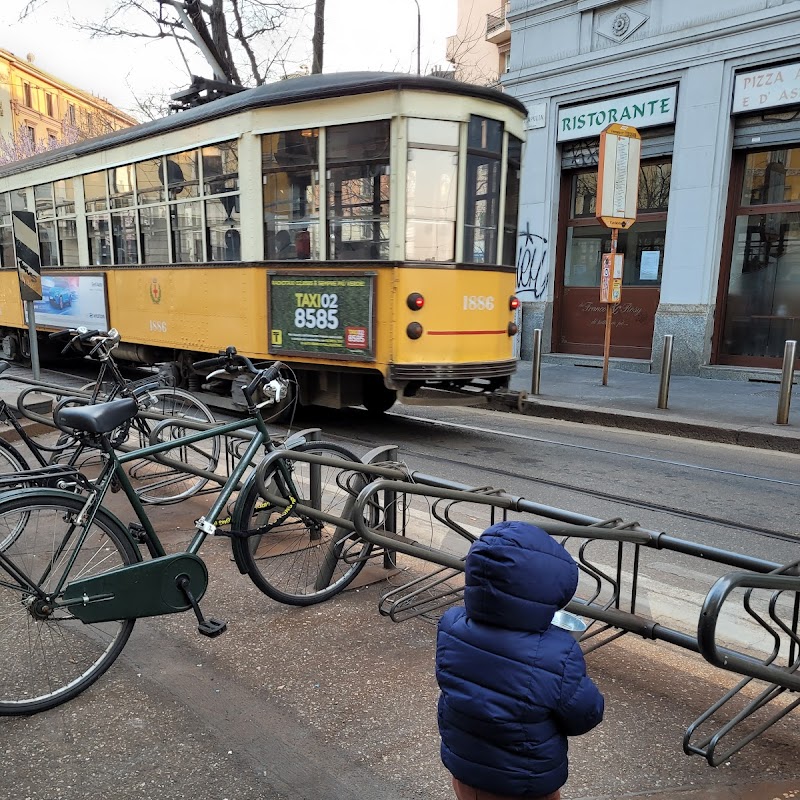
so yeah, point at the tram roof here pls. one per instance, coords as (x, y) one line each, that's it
(293, 90)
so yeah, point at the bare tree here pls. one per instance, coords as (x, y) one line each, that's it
(251, 40)
(318, 39)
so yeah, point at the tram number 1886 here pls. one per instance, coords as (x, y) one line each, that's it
(474, 302)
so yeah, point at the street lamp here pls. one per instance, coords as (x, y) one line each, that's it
(419, 38)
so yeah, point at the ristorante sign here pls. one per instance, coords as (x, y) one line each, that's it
(643, 110)
(767, 88)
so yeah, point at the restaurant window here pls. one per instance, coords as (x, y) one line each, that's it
(762, 306)
(431, 190)
(357, 163)
(290, 174)
(481, 218)
(642, 245)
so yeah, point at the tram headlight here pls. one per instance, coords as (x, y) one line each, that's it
(512, 328)
(415, 301)
(414, 330)
(513, 303)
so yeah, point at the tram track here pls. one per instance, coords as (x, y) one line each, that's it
(631, 502)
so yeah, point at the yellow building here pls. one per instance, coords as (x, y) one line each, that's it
(39, 111)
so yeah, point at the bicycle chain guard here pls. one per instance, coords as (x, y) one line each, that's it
(147, 589)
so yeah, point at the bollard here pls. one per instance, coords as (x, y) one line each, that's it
(536, 361)
(666, 369)
(787, 378)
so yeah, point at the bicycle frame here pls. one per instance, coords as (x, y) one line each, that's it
(136, 590)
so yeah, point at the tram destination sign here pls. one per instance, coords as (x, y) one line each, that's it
(331, 316)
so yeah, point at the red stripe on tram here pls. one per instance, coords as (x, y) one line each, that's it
(465, 333)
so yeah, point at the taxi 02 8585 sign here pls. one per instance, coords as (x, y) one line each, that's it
(327, 315)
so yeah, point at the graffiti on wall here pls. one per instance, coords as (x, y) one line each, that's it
(532, 272)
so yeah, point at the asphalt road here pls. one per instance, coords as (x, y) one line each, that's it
(335, 701)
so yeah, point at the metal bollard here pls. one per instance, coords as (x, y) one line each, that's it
(666, 369)
(787, 378)
(536, 362)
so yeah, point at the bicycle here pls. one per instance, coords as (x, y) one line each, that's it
(156, 484)
(74, 583)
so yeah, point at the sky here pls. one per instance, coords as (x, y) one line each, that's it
(359, 35)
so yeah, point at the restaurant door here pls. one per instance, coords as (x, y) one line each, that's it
(759, 297)
(579, 316)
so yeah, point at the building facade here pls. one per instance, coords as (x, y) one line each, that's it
(714, 256)
(480, 49)
(39, 111)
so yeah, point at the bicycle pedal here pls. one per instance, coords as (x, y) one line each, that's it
(137, 532)
(212, 627)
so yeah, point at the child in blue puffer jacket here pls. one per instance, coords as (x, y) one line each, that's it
(513, 686)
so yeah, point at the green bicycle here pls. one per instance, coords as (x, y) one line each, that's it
(73, 582)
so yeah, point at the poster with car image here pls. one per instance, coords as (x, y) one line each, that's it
(69, 301)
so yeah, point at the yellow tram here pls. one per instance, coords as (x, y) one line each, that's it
(360, 227)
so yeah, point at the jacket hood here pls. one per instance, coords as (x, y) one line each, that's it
(518, 576)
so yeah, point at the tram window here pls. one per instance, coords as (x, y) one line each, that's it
(290, 167)
(149, 185)
(43, 200)
(223, 238)
(6, 246)
(182, 175)
(94, 190)
(68, 242)
(48, 244)
(19, 200)
(187, 232)
(431, 190)
(358, 191)
(99, 234)
(221, 168)
(6, 233)
(512, 201)
(154, 236)
(123, 234)
(120, 186)
(65, 197)
(481, 219)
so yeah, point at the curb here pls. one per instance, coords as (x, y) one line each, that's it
(517, 402)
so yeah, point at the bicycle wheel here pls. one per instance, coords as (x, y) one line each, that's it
(48, 656)
(160, 484)
(11, 463)
(300, 561)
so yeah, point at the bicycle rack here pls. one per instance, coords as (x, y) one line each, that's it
(607, 597)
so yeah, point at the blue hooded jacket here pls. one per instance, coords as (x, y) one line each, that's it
(513, 686)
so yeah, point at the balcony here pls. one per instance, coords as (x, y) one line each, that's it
(498, 30)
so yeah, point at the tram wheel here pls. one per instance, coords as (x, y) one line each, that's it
(377, 398)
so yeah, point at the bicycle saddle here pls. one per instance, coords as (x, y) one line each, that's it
(101, 418)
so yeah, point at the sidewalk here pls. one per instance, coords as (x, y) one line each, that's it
(730, 411)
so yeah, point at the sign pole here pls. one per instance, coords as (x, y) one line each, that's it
(33, 340)
(609, 310)
(617, 202)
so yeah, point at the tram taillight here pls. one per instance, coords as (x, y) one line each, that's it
(415, 301)
(513, 303)
(512, 328)
(414, 330)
